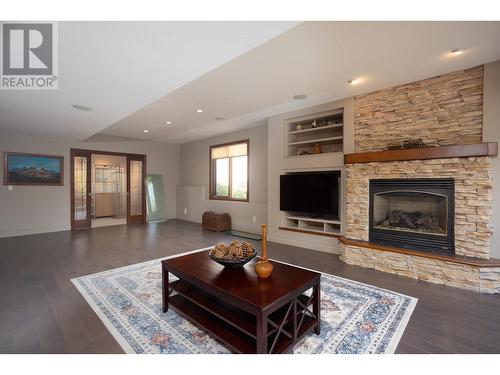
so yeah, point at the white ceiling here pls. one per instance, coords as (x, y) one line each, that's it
(119, 67)
(317, 59)
(138, 75)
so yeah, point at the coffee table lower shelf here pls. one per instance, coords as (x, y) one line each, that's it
(234, 327)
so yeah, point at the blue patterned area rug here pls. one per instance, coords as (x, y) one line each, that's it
(356, 317)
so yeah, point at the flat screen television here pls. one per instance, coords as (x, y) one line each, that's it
(313, 194)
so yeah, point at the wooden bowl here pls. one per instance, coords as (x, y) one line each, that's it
(233, 263)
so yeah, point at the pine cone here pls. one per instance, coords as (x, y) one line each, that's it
(235, 251)
(247, 249)
(247, 246)
(222, 248)
(217, 253)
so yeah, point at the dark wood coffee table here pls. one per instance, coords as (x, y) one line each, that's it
(248, 314)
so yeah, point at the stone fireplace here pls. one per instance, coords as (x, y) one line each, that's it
(413, 213)
(397, 219)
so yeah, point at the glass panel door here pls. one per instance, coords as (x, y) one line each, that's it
(136, 198)
(80, 190)
(411, 211)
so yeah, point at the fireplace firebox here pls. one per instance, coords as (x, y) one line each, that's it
(415, 214)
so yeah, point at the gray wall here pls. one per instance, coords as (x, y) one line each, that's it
(193, 192)
(38, 209)
(491, 133)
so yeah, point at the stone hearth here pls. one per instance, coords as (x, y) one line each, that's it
(482, 278)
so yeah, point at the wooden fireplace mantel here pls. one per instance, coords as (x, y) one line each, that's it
(439, 152)
(474, 262)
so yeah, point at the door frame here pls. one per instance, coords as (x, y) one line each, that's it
(129, 156)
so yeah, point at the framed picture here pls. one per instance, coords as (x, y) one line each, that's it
(33, 169)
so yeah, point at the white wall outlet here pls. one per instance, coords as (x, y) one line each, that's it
(10, 187)
(185, 211)
(254, 219)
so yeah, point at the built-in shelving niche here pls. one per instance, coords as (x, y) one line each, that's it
(312, 225)
(317, 134)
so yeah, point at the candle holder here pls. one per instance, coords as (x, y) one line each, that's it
(263, 268)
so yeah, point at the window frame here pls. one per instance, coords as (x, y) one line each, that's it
(213, 171)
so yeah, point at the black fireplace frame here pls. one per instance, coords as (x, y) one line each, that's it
(413, 240)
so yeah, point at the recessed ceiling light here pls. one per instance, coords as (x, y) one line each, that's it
(199, 110)
(82, 107)
(457, 51)
(353, 81)
(168, 122)
(300, 97)
(220, 118)
(146, 131)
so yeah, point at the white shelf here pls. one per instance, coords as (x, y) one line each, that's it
(310, 225)
(328, 132)
(313, 219)
(318, 140)
(317, 129)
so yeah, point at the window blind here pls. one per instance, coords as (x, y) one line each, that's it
(229, 151)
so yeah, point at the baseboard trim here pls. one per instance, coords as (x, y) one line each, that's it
(30, 231)
(242, 228)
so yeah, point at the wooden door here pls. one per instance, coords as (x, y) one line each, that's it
(80, 189)
(136, 192)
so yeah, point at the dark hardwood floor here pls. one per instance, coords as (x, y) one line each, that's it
(42, 312)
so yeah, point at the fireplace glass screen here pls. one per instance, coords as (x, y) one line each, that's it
(411, 211)
(413, 214)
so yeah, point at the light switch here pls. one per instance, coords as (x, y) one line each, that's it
(10, 187)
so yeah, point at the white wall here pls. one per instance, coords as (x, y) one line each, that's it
(193, 192)
(278, 165)
(491, 133)
(38, 209)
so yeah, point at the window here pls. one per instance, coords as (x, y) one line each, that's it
(229, 171)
